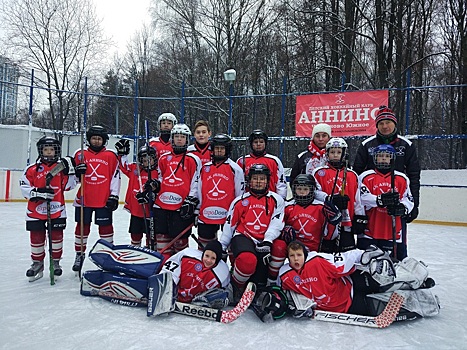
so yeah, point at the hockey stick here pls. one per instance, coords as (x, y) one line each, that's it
(171, 243)
(152, 237)
(383, 320)
(393, 217)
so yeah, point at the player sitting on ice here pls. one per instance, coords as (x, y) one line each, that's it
(341, 282)
(201, 277)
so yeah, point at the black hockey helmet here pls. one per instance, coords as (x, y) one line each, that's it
(304, 180)
(143, 153)
(47, 141)
(221, 140)
(272, 300)
(258, 134)
(259, 169)
(97, 130)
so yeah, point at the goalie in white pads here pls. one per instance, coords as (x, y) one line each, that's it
(341, 282)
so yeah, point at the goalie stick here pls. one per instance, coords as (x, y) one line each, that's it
(383, 320)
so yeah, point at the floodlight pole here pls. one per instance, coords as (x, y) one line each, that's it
(229, 76)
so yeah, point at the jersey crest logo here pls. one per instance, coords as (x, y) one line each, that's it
(207, 169)
(169, 158)
(321, 172)
(245, 202)
(40, 169)
(297, 279)
(198, 267)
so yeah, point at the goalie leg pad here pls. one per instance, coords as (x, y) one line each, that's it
(134, 261)
(161, 294)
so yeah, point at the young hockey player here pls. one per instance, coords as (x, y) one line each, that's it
(221, 181)
(307, 220)
(201, 148)
(141, 191)
(254, 221)
(200, 276)
(162, 144)
(337, 183)
(385, 194)
(315, 152)
(258, 143)
(35, 189)
(177, 200)
(97, 170)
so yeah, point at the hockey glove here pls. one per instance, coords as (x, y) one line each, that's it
(216, 298)
(359, 224)
(145, 197)
(379, 265)
(187, 211)
(288, 234)
(332, 213)
(112, 203)
(387, 199)
(340, 201)
(412, 215)
(69, 164)
(264, 249)
(152, 185)
(224, 255)
(397, 210)
(80, 169)
(123, 147)
(41, 194)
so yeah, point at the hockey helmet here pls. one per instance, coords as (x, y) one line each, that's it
(258, 134)
(97, 130)
(304, 180)
(49, 142)
(166, 116)
(221, 140)
(258, 169)
(145, 152)
(337, 142)
(180, 129)
(384, 156)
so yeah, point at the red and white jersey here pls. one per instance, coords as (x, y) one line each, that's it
(178, 175)
(277, 182)
(258, 218)
(160, 146)
(371, 184)
(309, 223)
(325, 177)
(323, 279)
(34, 177)
(315, 162)
(136, 183)
(204, 154)
(218, 186)
(192, 277)
(102, 178)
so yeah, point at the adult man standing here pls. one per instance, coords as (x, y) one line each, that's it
(406, 162)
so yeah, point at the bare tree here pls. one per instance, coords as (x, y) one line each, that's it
(61, 40)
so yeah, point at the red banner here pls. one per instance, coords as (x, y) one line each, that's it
(348, 113)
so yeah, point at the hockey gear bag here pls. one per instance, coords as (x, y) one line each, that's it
(116, 288)
(134, 261)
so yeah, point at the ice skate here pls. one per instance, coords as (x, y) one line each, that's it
(57, 268)
(36, 271)
(79, 259)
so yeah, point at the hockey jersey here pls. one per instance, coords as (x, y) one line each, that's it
(160, 145)
(323, 279)
(277, 181)
(309, 223)
(136, 180)
(204, 154)
(34, 177)
(258, 218)
(218, 186)
(192, 277)
(178, 175)
(371, 184)
(102, 178)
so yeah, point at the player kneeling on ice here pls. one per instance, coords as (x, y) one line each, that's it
(354, 282)
(201, 277)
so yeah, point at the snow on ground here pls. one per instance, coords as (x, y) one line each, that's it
(38, 315)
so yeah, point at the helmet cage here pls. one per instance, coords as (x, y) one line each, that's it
(304, 180)
(387, 150)
(49, 142)
(145, 152)
(259, 169)
(337, 142)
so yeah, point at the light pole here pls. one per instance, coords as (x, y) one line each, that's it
(229, 76)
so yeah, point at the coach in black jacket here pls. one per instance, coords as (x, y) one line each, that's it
(406, 160)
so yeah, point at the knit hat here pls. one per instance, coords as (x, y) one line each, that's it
(385, 113)
(216, 247)
(322, 127)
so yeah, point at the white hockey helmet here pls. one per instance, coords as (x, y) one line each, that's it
(337, 142)
(180, 129)
(166, 116)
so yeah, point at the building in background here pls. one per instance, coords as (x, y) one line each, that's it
(9, 74)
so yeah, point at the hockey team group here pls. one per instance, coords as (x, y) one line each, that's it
(338, 245)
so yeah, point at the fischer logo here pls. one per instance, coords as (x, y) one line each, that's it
(170, 198)
(344, 317)
(205, 313)
(215, 213)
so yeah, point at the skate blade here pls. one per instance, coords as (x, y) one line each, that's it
(36, 277)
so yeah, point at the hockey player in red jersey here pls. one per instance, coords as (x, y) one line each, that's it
(200, 275)
(201, 148)
(221, 181)
(307, 220)
(162, 144)
(141, 191)
(382, 201)
(98, 167)
(177, 200)
(254, 221)
(337, 183)
(34, 189)
(258, 143)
